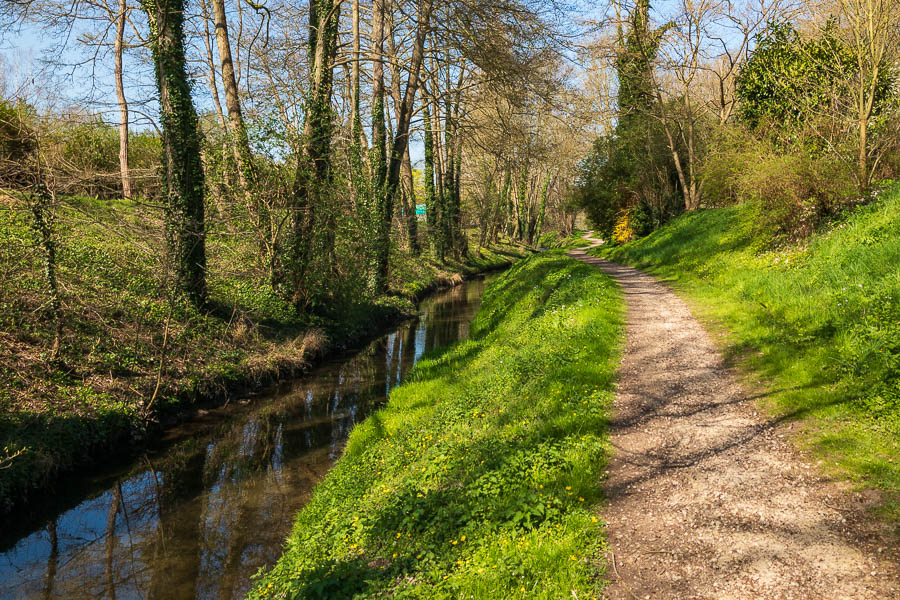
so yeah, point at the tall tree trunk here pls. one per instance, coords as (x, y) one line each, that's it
(503, 211)
(219, 193)
(118, 50)
(184, 182)
(687, 188)
(213, 87)
(389, 190)
(41, 202)
(357, 137)
(382, 217)
(510, 206)
(447, 172)
(405, 191)
(863, 155)
(237, 129)
(409, 191)
(521, 198)
(543, 208)
(461, 242)
(432, 203)
(240, 142)
(311, 183)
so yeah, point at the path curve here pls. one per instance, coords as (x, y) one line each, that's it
(707, 497)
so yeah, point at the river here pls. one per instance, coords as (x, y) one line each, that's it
(213, 501)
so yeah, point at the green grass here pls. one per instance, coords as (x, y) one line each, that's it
(553, 239)
(818, 323)
(60, 415)
(481, 477)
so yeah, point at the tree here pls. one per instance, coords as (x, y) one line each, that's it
(313, 172)
(817, 87)
(869, 28)
(184, 179)
(236, 127)
(123, 103)
(387, 186)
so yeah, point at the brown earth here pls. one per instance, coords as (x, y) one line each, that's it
(707, 495)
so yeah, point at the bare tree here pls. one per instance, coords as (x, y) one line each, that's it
(236, 127)
(869, 28)
(120, 96)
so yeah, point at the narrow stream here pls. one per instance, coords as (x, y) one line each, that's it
(198, 516)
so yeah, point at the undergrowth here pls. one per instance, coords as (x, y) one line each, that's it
(481, 477)
(129, 358)
(818, 321)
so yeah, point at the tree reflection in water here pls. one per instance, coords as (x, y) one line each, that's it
(199, 518)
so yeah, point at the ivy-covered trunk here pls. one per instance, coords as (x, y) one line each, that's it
(510, 215)
(184, 182)
(543, 208)
(312, 179)
(383, 213)
(449, 178)
(432, 202)
(41, 205)
(521, 199)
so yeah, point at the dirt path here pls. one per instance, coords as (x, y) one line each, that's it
(707, 496)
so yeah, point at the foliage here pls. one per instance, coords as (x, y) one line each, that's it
(16, 139)
(481, 477)
(791, 193)
(774, 84)
(632, 169)
(116, 314)
(818, 321)
(629, 171)
(790, 82)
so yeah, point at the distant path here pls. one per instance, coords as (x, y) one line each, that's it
(706, 496)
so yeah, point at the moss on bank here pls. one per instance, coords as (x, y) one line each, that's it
(817, 322)
(481, 477)
(130, 359)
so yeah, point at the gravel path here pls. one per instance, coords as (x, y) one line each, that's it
(707, 497)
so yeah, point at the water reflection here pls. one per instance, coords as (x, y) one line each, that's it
(199, 518)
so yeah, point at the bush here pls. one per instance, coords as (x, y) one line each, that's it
(623, 233)
(792, 193)
(17, 140)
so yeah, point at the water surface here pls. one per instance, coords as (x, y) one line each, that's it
(197, 517)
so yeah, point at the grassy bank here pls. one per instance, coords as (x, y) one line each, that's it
(818, 323)
(481, 478)
(130, 359)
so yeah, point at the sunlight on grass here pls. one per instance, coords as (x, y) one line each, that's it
(481, 478)
(818, 322)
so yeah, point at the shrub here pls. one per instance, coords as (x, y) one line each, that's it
(17, 140)
(794, 194)
(623, 233)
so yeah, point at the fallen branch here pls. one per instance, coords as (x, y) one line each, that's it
(621, 580)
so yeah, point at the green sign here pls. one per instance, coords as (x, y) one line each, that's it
(420, 209)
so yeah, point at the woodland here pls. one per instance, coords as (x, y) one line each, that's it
(202, 197)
